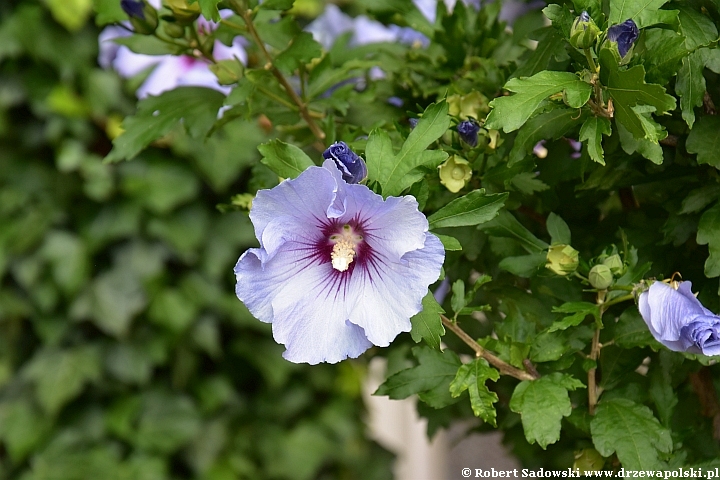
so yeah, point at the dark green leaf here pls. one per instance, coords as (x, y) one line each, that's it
(523, 265)
(705, 141)
(700, 198)
(302, 50)
(451, 244)
(196, 107)
(558, 229)
(549, 125)
(632, 432)
(472, 377)
(277, 4)
(285, 159)
(430, 379)
(592, 131)
(427, 325)
(542, 404)
(472, 209)
(698, 29)
(632, 331)
(550, 48)
(458, 295)
(709, 234)
(690, 85)
(506, 225)
(579, 311)
(643, 12)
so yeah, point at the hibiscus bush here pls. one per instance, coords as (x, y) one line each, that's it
(515, 205)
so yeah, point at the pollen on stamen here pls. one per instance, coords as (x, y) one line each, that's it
(342, 255)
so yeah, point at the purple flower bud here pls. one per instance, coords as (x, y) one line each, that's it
(351, 166)
(584, 16)
(413, 122)
(678, 320)
(624, 35)
(133, 8)
(468, 131)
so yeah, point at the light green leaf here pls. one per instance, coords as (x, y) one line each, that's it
(592, 131)
(472, 209)
(705, 141)
(510, 113)
(71, 14)
(632, 432)
(302, 49)
(558, 229)
(549, 125)
(108, 11)
(285, 159)
(709, 234)
(648, 149)
(196, 107)
(430, 379)
(209, 9)
(542, 404)
(690, 85)
(643, 12)
(451, 244)
(472, 377)
(427, 325)
(458, 295)
(579, 311)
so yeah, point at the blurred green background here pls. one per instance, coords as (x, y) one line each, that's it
(124, 352)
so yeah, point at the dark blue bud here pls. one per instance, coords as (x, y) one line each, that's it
(133, 8)
(625, 35)
(413, 122)
(468, 131)
(351, 166)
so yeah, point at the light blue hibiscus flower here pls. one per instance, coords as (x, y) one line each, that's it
(339, 269)
(678, 320)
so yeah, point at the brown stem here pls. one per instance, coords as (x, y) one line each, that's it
(319, 134)
(503, 367)
(592, 385)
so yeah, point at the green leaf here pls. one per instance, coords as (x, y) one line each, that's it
(196, 107)
(628, 89)
(458, 295)
(108, 11)
(523, 265)
(647, 148)
(71, 14)
(558, 229)
(510, 113)
(22, 428)
(527, 182)
(632, 432)
(550, 49)
(427, 325)
(430, 379)
(561, 17)
(632, 331)
(699, 30)
(542, 404)
(664, 49)
(506, 225)
(209, 9)
(579, 311)
(60, 375)
(700, 198)
(395, 173)
(643, 12)
(472, 209)
(709, 234)
(705, 141)
(592, 131)
(548, 125)
(690, 85)
(472, 377)
(302, 49)
(451, 244)
(285, 159)
(277, 4)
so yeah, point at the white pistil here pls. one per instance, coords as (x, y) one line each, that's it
(342, 255)
(343, 252)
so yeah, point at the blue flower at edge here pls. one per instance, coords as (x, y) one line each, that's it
(133, 8)
(468, 131)
(319, 312)
(349, 163)
(678, 320)
(625, 35)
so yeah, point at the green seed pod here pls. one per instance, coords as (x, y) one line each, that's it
(183, 12)
(174, 30)
(562, 259)
(600, 277)
(588, 460)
